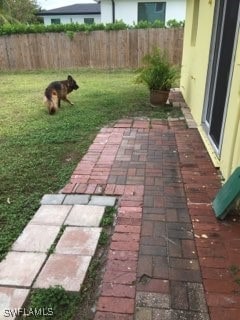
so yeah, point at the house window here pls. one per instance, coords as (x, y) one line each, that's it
(55, 21)
(89, 20)
(151, 11)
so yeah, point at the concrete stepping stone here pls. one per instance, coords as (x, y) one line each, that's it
(11, 299)
(76, 199)
(66, 270)
(52, 199)
(85, 216)
(36, 238)
(51, 215)
(102, 201)
(79, 241)
(20, 268)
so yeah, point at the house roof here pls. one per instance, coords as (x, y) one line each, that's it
(74, 9)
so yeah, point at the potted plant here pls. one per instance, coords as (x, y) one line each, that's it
(159, 75)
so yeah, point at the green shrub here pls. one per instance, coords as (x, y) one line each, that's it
(108, 217)
(157, 72)
(19, 28)
(55, 302)
(103, 240)
(142, 25)
(175, 24)
(118, 25)
(70, 34)
(145, 24)
(158, 24)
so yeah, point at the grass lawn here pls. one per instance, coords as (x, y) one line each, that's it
(39, 151)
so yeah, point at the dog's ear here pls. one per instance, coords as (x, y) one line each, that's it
(70, 78)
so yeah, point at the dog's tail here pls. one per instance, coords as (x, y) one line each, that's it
(50, 99)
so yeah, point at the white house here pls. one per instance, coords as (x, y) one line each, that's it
(81, 13)
(133, 11)
(108, 11)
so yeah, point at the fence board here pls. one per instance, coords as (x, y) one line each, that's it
(143, 44)
(81, 41)
(3, 54)
(133, 49)
(97, 49)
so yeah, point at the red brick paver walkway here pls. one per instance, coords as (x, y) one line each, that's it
(169, 257)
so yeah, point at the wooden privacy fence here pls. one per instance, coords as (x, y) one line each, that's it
(97, 49)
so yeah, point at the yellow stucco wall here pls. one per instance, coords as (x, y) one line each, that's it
(195, 58)
(193, 81)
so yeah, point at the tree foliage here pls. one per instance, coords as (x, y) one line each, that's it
(5, 12)
(18, 11)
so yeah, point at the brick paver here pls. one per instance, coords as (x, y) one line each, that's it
(184, 254)
(217, 242)
(150, 249)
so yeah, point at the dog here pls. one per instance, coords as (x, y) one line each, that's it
(57, 91)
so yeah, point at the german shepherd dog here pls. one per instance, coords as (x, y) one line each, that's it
(57, 91)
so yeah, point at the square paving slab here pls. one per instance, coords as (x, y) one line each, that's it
(85, 216)
(11, 299)
(76, 199)
(68, 271)
(78, 240)
(36, 238)
(51, 215)
(53, 199)
(102, 201)
(20, 268)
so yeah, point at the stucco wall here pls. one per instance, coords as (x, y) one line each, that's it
(106, 11)
(127, 10)
(195, 57)
(193, 81)
(176, 10)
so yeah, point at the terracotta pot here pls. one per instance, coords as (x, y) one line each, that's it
(158, 97)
